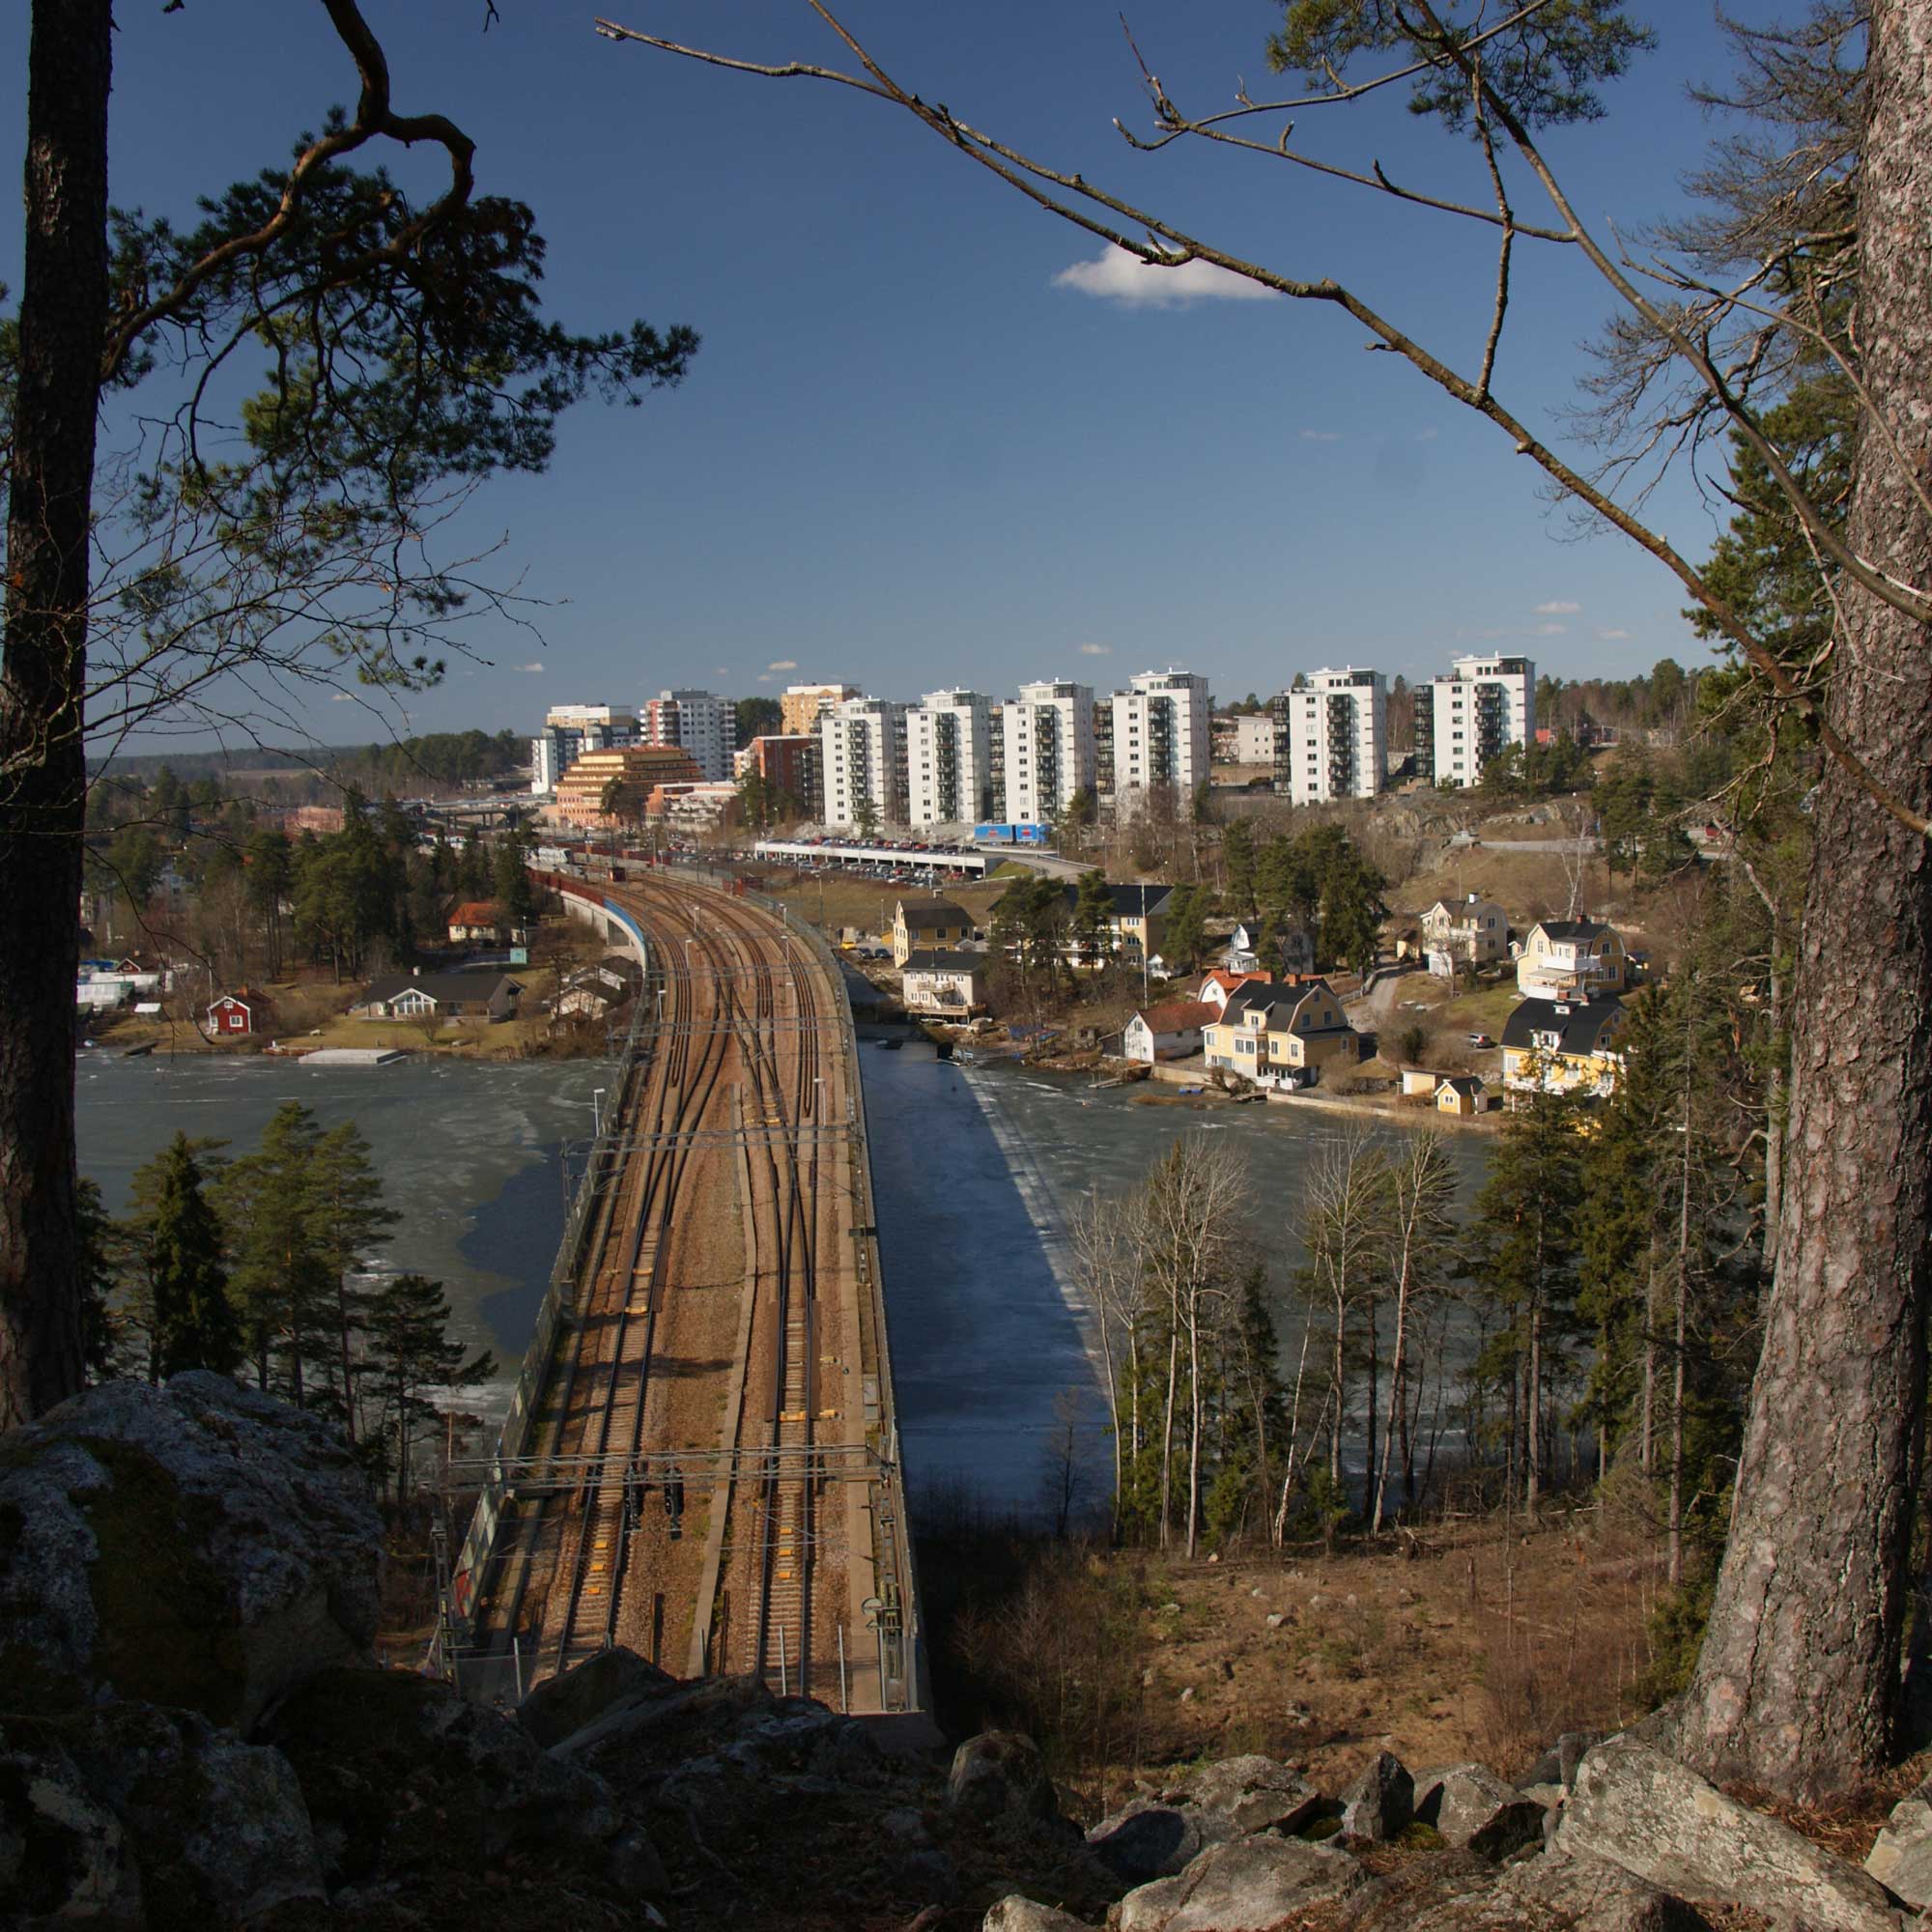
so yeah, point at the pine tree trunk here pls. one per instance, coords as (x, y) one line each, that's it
(1797, 1685)
(43, 792)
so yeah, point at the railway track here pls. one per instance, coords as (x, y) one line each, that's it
(639, 1415)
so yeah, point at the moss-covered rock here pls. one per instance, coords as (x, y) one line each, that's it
(198, 1546)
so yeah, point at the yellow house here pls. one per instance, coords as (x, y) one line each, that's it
(1464, 1094)
(927, 925)
(1308, 1031)
(1563, 1046)
(1281, 1035)
(1571, 959)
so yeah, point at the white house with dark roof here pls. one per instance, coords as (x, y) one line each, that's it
(946, 984)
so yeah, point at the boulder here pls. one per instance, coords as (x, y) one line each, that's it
(1251, 1793)
(1147, 1840)
(131, 1803)
(1653, 1817)
(1558, 1764)
(999, 1778)
(1249, 1886)
(1016, 1913)
(1901, 1861)
(403, 1776)
(1381, 1803)
(197, 1545)
(1475, 1810)
(564, 1704)
(1458, 1892)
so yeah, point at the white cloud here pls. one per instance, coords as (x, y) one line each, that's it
(721, 670)
(1549, 630)
(1426, 435)
(764, 677)
(782, 663)
(342, 697)
(1095, 650)
(1115, 275)
(1611, 636)
(1558, 607)
(531, 669)
(1322, 436)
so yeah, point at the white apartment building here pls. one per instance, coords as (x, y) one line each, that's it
(1048, 749)
(1482, 707)
(698, 723)
(1331, 736)
(861, 756)
(949, 763)
(1163, 735)
(572, 729)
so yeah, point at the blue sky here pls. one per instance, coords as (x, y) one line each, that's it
(914, 449)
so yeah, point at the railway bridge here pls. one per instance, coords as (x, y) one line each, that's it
(701, 1461)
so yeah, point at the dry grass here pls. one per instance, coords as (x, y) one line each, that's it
(1849, 1823)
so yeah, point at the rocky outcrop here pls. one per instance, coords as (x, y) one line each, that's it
(1460, 1892)
(129, 1814)
(1638, 1808)
(1249, 1886)
(198, 1547)
(402, 1775)
(1474, 1811)
(1161, 1832)
(1901, 1861)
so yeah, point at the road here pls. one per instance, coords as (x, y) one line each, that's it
(706, 1480)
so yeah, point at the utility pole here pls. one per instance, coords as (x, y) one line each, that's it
(1145, 947)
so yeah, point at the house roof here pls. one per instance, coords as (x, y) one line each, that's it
(243, 996)
(1462, 1083)
(1125, 899)
(1298, 994)
(444, 988)
(476, 911)
(929, 914)
(938, 959)
(1578, 1024)
(1229, 981)
(1259, 996)
(1572, 928)
(1177, 1016)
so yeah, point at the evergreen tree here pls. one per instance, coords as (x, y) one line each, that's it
(194, 1323)
(1092, 919)
(515, 894)
(1526, 1257)
(346, 1220)
(282, 1280)
(1237, 860)
(100, 1328)
(413, 1356)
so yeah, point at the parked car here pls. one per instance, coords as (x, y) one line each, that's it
(1479, 1039)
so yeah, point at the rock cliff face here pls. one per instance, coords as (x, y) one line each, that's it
(195, 1736)
(198, 1546)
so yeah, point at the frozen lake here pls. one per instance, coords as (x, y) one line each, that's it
(470, 1156)
(975, 1171)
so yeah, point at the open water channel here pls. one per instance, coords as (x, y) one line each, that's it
(973, 1168)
